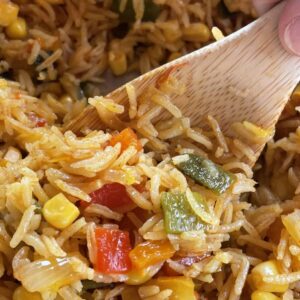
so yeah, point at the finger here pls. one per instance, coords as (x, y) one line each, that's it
(263, 6)
(289, 27)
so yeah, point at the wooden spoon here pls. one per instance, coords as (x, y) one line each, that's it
(245, 76)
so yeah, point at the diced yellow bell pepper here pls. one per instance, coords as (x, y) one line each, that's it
(267, 268)
(60, 212)
(292, 225)
(259, 295)
(17, 29)
(182, 287)
(9, 13)
(21, 293)
(150, 253)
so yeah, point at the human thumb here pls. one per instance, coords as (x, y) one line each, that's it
(289, 23)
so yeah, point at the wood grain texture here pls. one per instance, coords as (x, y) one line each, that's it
(246, 76)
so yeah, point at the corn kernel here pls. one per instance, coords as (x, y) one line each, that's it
(197, 32)
(259, 295)
(22, 294)
(171, 31)
(60, 212)
(292, 225)
(9, 13)
(117, 62)
(267, 268)
(17, 29)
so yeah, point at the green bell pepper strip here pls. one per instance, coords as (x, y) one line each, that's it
(205, 172)
(178, 215)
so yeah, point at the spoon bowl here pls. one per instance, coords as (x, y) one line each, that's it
(245, 76)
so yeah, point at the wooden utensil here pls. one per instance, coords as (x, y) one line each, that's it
(245, 76)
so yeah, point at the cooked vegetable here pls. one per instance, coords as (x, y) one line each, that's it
(204, 171)
(17, 29)
(259, 295)
(91, 285)
(21, 293)
(178, 215)
(197, 32)
(292, 224)
(267, 268)
(118, 62)
(127, 138)
(112, 250)
(112, 195)
(9, 13)
(182, 287)
(150, 253)
(139, 276)
(60, 212)
(151, 12)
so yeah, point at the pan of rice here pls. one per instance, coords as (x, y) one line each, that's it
(139, 209)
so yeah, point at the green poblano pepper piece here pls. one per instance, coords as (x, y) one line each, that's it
(206, 172)
(178, 215)
(151, 12)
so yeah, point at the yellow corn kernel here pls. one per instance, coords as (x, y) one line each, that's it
(292, 225)
(171, 31)
(197, 32)
(259, 295)
(267, 268)
(60, 212)
(117, 62)
(9, 12)
(17, 29)
(22, 294)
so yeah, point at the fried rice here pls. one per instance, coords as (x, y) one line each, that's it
(140, 209)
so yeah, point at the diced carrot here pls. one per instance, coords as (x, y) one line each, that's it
(126, 138)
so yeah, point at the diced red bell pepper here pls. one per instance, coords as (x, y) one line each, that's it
(112, 248)
(112, 195)
(127, 138)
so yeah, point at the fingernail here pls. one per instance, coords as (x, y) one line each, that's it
(292, 36)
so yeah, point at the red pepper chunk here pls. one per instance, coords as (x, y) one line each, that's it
(112, 195)
(113, 247)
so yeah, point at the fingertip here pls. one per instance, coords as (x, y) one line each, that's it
(289, 27)
(262, 6)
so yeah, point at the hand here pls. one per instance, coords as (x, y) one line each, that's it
(289, 24)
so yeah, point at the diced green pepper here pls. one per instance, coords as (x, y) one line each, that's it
(205, 172)
(178, 215)
(92, 285)
(151, 12)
